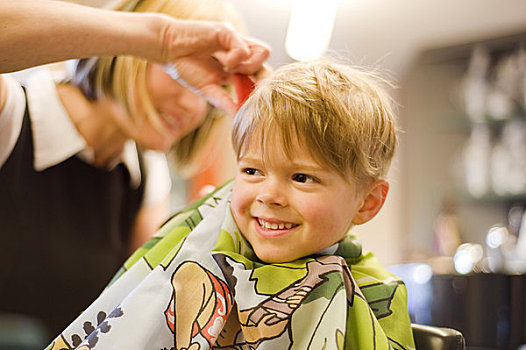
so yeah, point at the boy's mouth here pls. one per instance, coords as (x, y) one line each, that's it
(267, 225)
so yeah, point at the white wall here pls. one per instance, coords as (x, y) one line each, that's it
(389, 34)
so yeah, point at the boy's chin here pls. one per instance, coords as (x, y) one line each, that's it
(279, 258)
(271, 258)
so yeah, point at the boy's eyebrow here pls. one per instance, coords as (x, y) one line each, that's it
(308, 166)
(301, 165)
(249, 159)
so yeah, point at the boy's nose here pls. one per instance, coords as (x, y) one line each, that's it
(272, 193)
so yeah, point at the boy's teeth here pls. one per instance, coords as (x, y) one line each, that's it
(274, 226)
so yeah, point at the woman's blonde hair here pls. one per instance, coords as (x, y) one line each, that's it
(342, 114)
(123, 78)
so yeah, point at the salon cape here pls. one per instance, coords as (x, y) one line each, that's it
(197, 281)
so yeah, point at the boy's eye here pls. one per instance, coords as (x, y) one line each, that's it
(303, 178)
(250, 171)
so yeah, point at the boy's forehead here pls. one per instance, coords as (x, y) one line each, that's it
(270, 144)
(275, 139)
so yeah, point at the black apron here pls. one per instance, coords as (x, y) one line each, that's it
(64, 232)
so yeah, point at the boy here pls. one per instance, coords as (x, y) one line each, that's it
(268, 261)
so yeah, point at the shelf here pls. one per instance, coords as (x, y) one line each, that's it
(460, 122)
(493, 198)
(438, 129)
(461, 52)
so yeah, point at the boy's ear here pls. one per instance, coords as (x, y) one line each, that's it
(372, 203)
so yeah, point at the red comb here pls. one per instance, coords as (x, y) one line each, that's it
(244, 86)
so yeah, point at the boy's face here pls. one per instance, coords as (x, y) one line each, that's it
(290, 208)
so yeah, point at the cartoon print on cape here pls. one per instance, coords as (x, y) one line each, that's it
(198, 285)
(203, 301)
(91, 333)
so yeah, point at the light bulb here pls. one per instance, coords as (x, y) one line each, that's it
(310, 28)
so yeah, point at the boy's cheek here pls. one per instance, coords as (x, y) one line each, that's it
(313, 211)
(241, 195)
(326, 219)
(238, 207)
(234, 200)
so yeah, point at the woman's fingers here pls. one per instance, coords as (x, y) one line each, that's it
(206, 73)
(218, 97)
(259, 53)
(245, 56)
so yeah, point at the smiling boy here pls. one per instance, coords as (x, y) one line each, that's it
(291, 207)
(314, 144)
(268, 261)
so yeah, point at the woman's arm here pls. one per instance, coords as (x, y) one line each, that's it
(38, 32)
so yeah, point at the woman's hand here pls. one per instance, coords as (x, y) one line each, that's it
(204, 56)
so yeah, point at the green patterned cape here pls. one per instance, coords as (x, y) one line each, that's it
(197, 284)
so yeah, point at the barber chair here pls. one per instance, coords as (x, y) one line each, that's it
(437, 338)
(18, 332)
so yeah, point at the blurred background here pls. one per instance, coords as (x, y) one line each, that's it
(426, 48)
(452, 226)
(452, 222)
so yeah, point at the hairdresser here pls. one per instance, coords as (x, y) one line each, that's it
(83, 177)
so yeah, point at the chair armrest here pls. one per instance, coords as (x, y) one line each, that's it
(437, 338)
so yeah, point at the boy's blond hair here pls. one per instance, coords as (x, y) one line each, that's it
(342, 114)
(117, 77)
